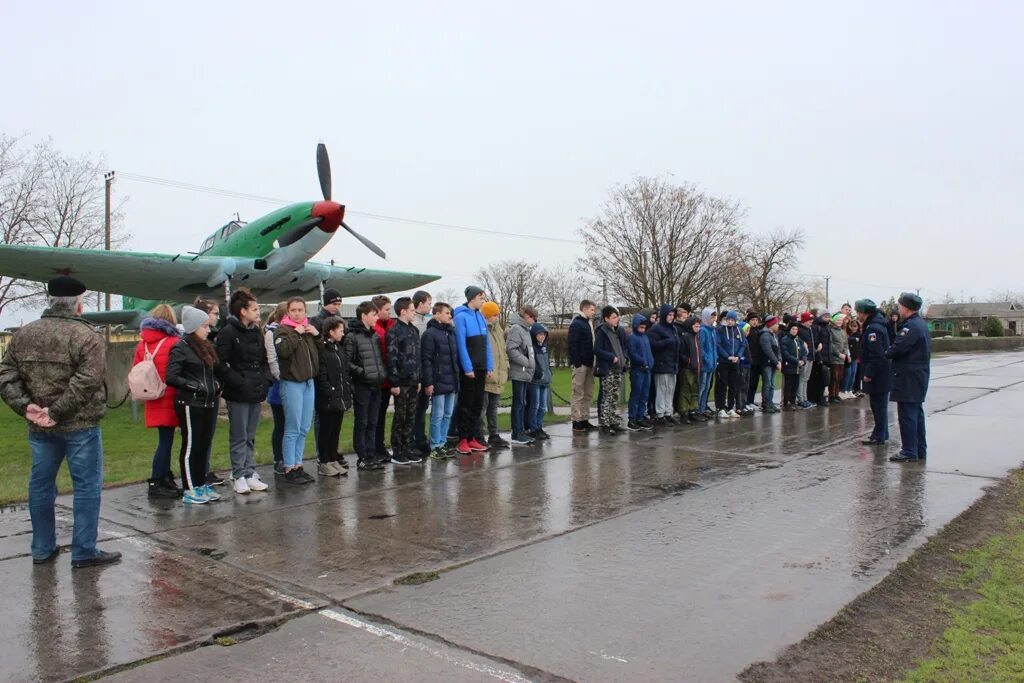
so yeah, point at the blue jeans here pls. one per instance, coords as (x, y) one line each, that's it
(639, 388)
(767, 385)
(441, 408)
(84, 452)
(520, 397)
(849, 376)
(162, 456)
(297, 398)
(539, 394)
(704, 388)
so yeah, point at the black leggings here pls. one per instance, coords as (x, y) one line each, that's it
(328, 435)
(277, 436)
(197, 427)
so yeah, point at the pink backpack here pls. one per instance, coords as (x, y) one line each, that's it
(144, 381)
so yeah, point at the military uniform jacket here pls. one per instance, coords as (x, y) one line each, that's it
(911, 354)
(874, 344)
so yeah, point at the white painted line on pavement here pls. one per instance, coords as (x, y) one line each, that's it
(500, 674)
(294, 602)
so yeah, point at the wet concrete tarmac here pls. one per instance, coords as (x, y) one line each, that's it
(682, 555)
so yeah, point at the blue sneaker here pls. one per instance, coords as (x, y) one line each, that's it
(209, 493)
(195, 496)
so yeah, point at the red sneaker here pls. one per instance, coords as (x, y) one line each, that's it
(475, 445)
(464, 448)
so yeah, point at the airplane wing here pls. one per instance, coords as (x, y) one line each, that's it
(164, 277)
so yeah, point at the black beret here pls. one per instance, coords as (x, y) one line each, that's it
(65, 286)
(911, 301)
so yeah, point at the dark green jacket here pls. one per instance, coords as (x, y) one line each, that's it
(57, 362)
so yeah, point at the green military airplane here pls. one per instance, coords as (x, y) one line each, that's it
(270, 256)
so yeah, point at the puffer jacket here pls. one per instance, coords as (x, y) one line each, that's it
(793, 350)
(820, 334)
(542, 361)
(298, 355)
(664, 343)
(839, 344)
(581, 342)
(198, 386)
(152, 331)
(689, 347)
(471, 334)
(439, 358)
(243, 354)
(768, 342)
(496, 383)
(333, 382)
(403, 356)
(638, 345)
(362, 346)
(609, 344)
(57, 362)
(521, 361)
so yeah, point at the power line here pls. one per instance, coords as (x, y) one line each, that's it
(192, 187)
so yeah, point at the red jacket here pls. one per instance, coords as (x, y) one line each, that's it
(381, 330)
(159, 412)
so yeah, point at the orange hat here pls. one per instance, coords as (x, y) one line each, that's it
(490, 309)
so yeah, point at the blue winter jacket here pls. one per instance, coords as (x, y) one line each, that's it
(730, 342)
(708, 342)
(581, 342)
(664, 343)
(638, 347)
(439, 360)
(473, 340)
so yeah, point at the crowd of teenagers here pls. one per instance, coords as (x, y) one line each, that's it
(444, 370)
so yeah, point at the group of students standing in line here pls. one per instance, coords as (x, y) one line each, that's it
(674, 358)
(455, 363)
(312, 370)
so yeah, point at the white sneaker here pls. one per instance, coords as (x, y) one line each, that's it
(241, 485)
(255, 483)
(722, 414)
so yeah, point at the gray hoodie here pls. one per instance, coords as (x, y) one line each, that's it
(519, 345)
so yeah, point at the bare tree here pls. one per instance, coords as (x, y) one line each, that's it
(512, 284)
(654, 242)
(49, 199)
(1002, 295)
(810, 294)
(765, 274)
(22, 177)
(561, 289)
(449, 296)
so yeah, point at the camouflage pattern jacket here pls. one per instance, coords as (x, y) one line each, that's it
(57, 362)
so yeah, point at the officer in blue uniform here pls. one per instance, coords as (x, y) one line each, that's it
(911, 353)
(876, 367)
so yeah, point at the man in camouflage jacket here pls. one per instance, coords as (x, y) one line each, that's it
(52, 375)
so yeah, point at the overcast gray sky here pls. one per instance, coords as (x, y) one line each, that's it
(889, 132)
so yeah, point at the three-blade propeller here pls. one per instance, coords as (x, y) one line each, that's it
(323, 170)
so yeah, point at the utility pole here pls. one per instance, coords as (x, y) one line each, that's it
(827, 278)
(108, 181)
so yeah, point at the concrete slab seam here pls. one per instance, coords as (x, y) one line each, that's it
(380, 632)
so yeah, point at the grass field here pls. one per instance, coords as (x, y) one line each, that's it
(985, 639)
(128, 449)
